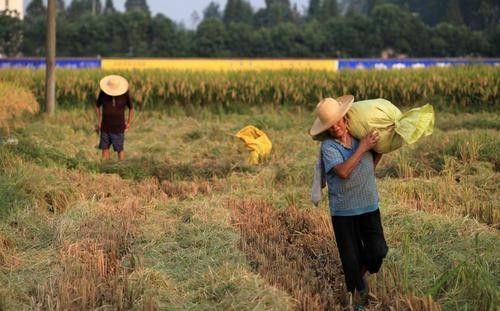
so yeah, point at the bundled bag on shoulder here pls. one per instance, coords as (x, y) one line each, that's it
(395, 128)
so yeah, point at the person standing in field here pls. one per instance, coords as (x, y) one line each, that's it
(349, 167)
(110, 109)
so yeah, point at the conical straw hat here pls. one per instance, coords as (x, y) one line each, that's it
(329, 111)
(114, 85)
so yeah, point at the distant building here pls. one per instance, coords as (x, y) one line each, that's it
(13, 5)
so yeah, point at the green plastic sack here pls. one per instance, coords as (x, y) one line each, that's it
(395, 128)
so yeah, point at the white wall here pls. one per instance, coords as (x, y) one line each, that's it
(15, 5)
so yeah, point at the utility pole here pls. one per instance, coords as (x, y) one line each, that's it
(50, 59)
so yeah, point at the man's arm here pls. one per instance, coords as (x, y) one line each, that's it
(129, 119)
(344, 169)
(99, 118)
(130, 106)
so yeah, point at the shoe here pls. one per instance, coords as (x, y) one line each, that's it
(362, 301)
(358, 307)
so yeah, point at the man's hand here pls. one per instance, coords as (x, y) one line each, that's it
(97, 128)
(369, 141)
(127, 126)
(344, 169)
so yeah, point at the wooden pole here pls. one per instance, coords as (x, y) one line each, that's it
(50, 59)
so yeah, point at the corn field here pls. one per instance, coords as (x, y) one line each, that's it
(451, 89)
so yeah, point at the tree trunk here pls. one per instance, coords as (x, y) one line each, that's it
(50, 59)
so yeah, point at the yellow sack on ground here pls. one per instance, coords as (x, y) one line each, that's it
(395, 128)
(256, 141)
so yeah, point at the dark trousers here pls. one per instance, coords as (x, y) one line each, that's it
(361, 244)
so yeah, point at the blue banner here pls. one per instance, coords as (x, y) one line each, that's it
(39, 63)
(411, 63)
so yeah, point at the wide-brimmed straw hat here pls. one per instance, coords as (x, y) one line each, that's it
(114, 85)
(329, 111)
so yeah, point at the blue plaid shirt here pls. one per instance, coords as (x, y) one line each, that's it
(357, 194)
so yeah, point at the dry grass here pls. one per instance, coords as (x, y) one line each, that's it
(94, 221)
(91, 273)
(176, 250)
(473, 199)
(295, 250)
(7, 256)
(453, 173)
(185, 189)
(15, 102)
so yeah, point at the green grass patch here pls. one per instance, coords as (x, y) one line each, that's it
(453, 261)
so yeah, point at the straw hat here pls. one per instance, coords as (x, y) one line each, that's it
(329, 111)
(114, 85)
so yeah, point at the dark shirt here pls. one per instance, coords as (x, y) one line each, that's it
(113, 111)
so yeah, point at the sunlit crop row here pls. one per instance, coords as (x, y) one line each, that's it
(468, 88)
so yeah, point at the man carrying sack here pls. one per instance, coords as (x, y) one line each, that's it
(349, 167)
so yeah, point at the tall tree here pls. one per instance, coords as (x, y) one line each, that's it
(329, 9)
(285, 3)
(82, 7)
(60, 6)
(136, 5)
(33, 43)
(398, 26)
(287, 41)
(399, 29)
(453, 13)
(11, 34)
(371, 4)
(212, 11)
(323, 9)
(164, 39)
(494, 38)
(488, 14)
(431, 11)
(296, 17)
(242, 34)
(315, 37)
(211, 38)
(109, 7)
(35, 9)
(359, 6)
(314, 9)
(238, 11)
(276, 12)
